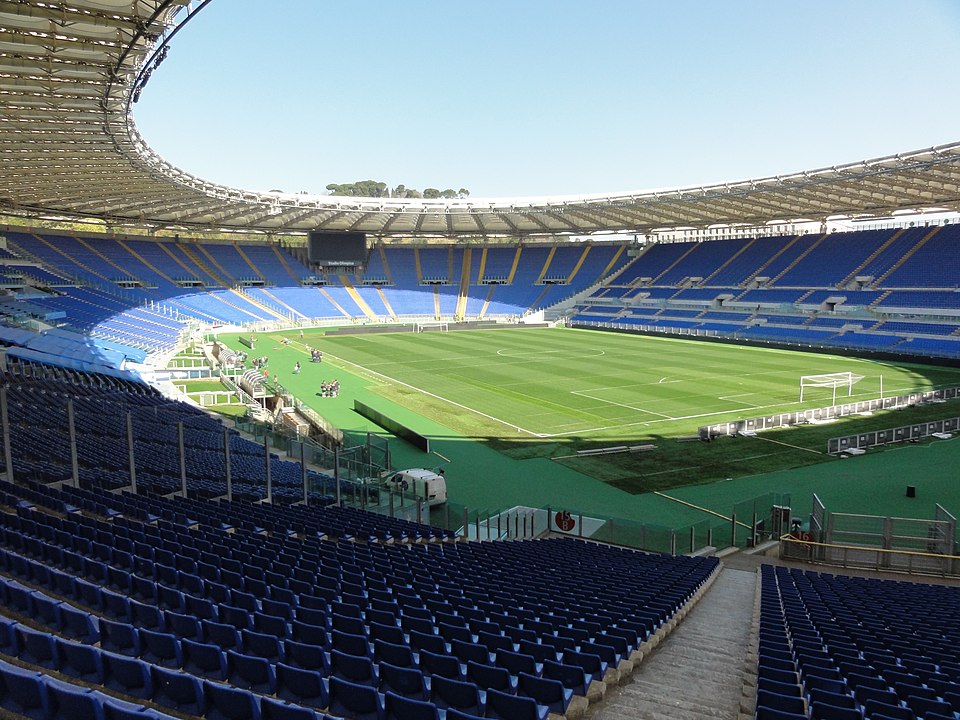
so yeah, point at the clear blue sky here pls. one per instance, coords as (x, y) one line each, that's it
(549, 97)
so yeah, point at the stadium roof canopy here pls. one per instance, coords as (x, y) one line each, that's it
(71, 71)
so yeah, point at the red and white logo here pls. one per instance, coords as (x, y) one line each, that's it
(564, 521)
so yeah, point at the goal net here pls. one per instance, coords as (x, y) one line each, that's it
(431, 327)
(830, 380)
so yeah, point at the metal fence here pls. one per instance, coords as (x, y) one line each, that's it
(904, 433)
(827, 413)
(865, 558)
(876, 542)
(750, 522)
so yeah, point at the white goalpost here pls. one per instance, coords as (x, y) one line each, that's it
(830, 380)
(431, 327)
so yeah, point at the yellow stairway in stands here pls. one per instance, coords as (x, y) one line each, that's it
(464, 293)
(516, 263)
(483, 265)
(906, 256)
(286, 265)
(386, 304)
(486, 302)
(227, 280)
(195, 259)
(355, 296)
(676, 262)
(188, 251)
(536, 302)
(743, 248)
(190, 272)
(778, 253)
(333, 302)
(416, 262)
(293, 311)
(96, 252)
(798, 259)
(576, 268)
(883, 246)
(546, 265)
(613, 261)
(386, 266)
(246, 259)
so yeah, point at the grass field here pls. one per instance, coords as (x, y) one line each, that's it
(588, 385)
(546, 393)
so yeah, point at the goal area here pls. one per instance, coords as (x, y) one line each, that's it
(830, 380)
(431, 327)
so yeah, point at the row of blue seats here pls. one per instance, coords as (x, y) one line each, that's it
(834, 647)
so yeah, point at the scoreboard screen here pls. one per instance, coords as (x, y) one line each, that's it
(337, 248)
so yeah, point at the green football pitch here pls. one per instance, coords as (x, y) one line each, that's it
(589, 385)
(510, 408)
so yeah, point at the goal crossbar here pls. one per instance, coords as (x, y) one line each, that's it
(435, 326)
(830, 380)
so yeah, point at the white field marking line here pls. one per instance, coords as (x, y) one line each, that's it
(729, 398)
(653, 422)
(725, 412)
(795, 447)
(508, 353)
(440, 397)
(583, 393)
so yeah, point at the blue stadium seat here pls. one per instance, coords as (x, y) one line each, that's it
(449, 693)
(204, 660)
(304, 655)
(225, 636)
(271, 709)
(571, 677)
(230, 703)
(396, 654)
(178, 691)
(824, 711)
(160, 648)
(454, 714)
(24, 692)
(119, 637)
(786, 703)
(513, 707)
(405, 681)
(436, 664)
(547, 692)
(488, 677)
(250, 672)
(37, 648)
(80, 661)
(70, 702)
(361, 702)
(400, 707)
(262, 645)
(300, 686)
(350, 643)
(127, 675)
(353, 668)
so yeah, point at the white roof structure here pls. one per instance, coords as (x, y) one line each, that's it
(71, 70)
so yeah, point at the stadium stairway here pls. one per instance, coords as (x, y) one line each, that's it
(697, 672)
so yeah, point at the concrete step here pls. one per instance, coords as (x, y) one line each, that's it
(697, 672)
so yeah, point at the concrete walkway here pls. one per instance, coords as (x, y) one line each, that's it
(697, 672)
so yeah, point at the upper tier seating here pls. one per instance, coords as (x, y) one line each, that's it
(881, 283)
